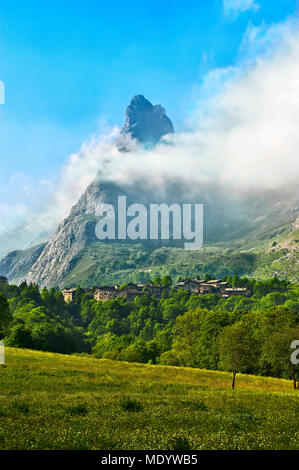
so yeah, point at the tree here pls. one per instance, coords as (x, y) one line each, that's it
(277, 352)
(5, 315)
(292, 305)
(237, 349)
(169, 358)
(235, 280)
(209, 327)
(110, 342)
(185, 332)
(167, 281)
(20, 337)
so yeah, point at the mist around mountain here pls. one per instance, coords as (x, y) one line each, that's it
(240, 236)
(24, 237)
(245, 231)
(144, 124)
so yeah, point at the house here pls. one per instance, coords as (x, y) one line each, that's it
(106, 293)
(130, 291)
(212, 287)
(230, 291)
(200, 287)
(68, 294)
(206, 288)
(192, 285)
(151, 288)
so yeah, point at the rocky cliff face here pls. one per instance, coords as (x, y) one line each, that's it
(145, 122)
(70, 238)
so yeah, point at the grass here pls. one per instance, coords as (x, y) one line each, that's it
(104, 263)
(52, 401)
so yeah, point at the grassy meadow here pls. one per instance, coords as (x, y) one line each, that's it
(53, 401)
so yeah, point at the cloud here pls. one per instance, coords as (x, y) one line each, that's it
(242, 134)
(235, 7)
(25, 188)
(12, 214)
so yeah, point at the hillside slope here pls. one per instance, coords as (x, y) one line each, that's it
(17, 263)
(52, 401)
(74, 256)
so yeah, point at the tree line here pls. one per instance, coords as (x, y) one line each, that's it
(240, 334)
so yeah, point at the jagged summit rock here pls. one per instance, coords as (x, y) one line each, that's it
(146, 123)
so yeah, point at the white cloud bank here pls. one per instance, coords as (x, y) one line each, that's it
(235, 7)
(243, 133)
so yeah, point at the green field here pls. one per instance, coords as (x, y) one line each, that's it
(53, 401)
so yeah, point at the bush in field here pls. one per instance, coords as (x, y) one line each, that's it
(170, 358)
(20, 407)
(201, 406)
(77, 410)
(130, 355)
(180, 443)
(128, 404)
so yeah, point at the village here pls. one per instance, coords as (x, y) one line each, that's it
(130, 291)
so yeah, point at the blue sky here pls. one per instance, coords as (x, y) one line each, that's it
(71, 67)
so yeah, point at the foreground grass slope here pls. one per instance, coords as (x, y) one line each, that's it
(52, 401)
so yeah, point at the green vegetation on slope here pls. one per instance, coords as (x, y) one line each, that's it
(52, 401)
(260, 255)
(180, 329)
(104, 263)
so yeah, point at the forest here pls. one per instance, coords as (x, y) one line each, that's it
(239, 334)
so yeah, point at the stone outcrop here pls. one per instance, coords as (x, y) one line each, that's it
(146, 123)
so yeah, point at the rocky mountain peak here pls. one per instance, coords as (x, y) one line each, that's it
(145, 122)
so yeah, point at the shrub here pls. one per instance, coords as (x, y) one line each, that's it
(127, 404)
(20, 337)
(21, 407)
(77, 410)
(201, 406)
(180, 443)
(169, 358)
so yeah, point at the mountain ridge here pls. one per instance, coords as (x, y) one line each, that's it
(146, 123)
